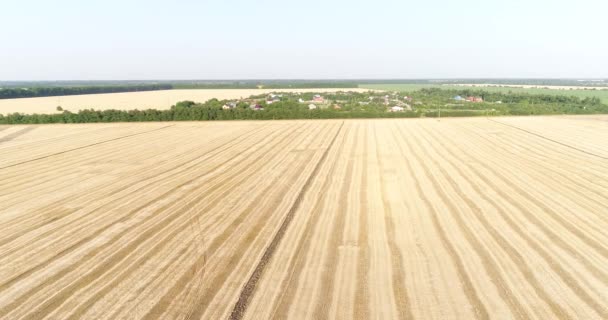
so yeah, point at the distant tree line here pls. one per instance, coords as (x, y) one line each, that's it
(190, 111)
(534, 82)
(202, 113)
(51, 91)
(509, 103)
(278, 84)
(12, 92)
(427, 103)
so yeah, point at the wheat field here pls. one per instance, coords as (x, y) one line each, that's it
(160, 99)
(497, 218)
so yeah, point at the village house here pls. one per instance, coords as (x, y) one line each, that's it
(396, 109)
(273, 98)
(229, 105)
(318, 98)
(256, 106)
(311, 106)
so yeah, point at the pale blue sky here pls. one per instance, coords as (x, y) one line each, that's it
(187, 39)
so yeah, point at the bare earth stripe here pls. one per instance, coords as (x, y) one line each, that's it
(294, 270)
(241, 306)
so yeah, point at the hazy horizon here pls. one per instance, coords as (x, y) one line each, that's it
(320, 80)
(351, 40)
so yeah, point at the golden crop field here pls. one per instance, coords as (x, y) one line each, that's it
(161, 99)
(478, 218)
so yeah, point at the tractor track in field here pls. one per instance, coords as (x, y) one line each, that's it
(249, 288)
(83, 147)
(549, 139)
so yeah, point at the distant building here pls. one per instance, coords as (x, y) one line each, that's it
(226, 107)
(311, 106)
(396, 109)
(318, 98)
(458, 98)
(273, 98)
(474, 99)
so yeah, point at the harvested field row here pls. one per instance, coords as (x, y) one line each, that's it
(392, 219)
